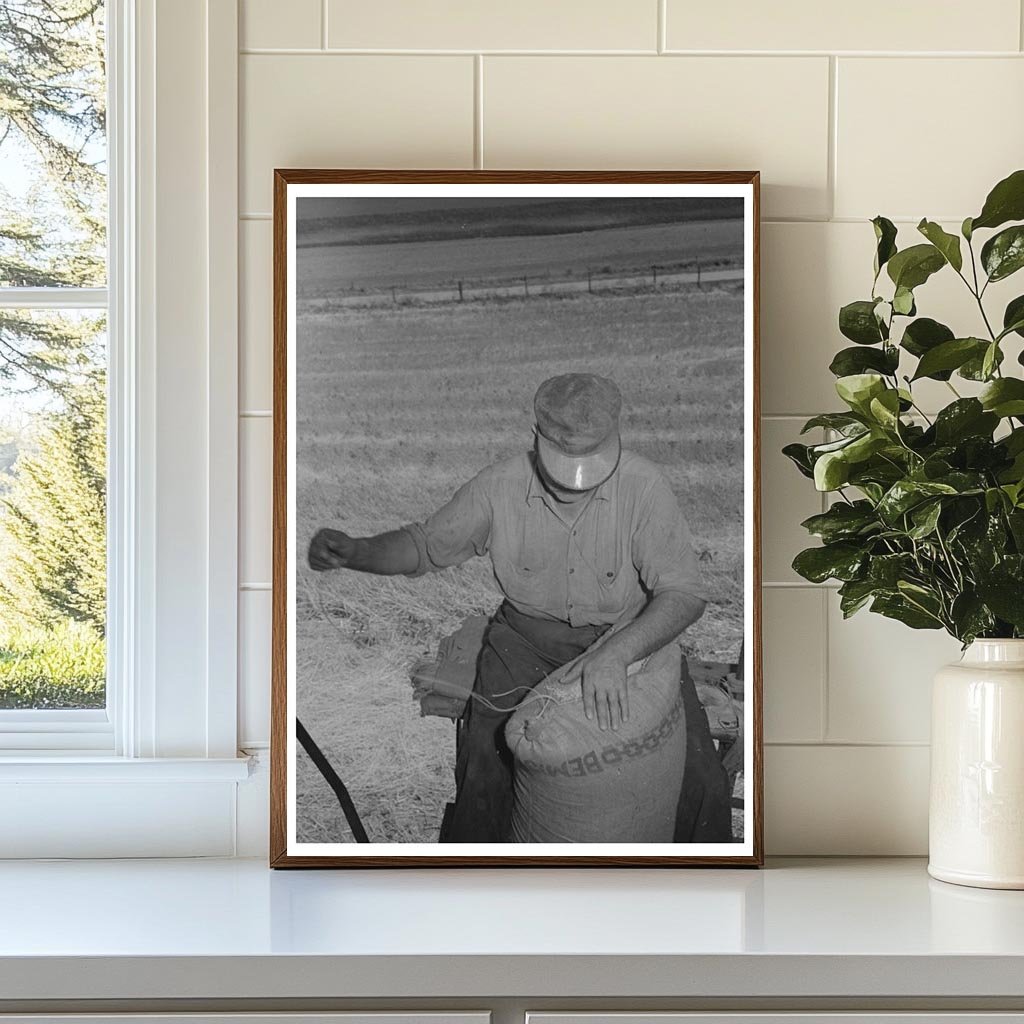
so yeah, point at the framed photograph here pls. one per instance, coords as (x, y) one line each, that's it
(516, 555)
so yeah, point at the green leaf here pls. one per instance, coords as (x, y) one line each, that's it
(923, 335)
(849, 361)
(857, 321)
(897, 607)
(1004, 397)
(1003, 254)
(885, 409)
(858, 389)
(913, 266)
(947, 244)
(974, 368)
(887, 570)
(966, 229)
(885, 238)
(799, 455)
(950, 355)
(854, 594)
(840, 561)
(990, 360)
(1013, 317)
(903, 302)
(841, 421)
(831, 471)
(842, 521)
(966, 417)
(970, 617)
(906, 494)
(925, 518)
(1005, 202)
(1006, 599)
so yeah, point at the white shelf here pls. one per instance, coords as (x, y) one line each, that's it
(233, 929)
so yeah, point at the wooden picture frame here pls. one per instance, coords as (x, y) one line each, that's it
(324, 301)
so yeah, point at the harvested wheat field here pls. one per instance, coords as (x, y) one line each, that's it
(398, 406)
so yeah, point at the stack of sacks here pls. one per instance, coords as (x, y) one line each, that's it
(443, 684)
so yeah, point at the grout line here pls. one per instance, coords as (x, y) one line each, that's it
(339, 51)
(478, 112)
(871, 744)
(257, 51)
(663, 25)
(323, 24)
(799, 585)
(823, 723)
(833, 134)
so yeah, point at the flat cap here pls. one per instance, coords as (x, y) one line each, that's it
(578, 428)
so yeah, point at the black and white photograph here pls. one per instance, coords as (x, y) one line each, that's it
(515, 490)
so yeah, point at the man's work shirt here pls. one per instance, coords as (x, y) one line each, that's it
(629, 542)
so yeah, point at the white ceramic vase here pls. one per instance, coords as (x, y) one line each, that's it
(976, 816)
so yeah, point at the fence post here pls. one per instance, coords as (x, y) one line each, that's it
(526, 287)
(460, 291)
(654, 271)
(699, 285)
(590, 286)
(394, 297)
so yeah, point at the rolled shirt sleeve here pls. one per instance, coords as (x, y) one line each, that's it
(662, 546)
(456, 532)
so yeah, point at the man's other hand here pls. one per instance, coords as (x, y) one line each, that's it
(330, 549)
(602, 676)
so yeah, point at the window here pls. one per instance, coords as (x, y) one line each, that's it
(155, 310)
(53, 370)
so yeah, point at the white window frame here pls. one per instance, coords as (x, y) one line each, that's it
(65, 730)
(172, 513)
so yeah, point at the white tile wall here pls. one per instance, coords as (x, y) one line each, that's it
(332, 110)
(700, 113)
(874, 25)
(969, 109)
(479, 25)
(794, 664)
(908, 110)
(256, 301)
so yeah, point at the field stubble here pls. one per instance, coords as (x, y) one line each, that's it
(396, 409)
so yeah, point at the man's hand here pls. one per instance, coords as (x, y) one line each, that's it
(331, 549)
(605, 691)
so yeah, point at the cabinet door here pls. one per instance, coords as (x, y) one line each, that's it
(359, 1017)
(785, 1017)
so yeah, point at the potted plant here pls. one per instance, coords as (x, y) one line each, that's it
(927, 521)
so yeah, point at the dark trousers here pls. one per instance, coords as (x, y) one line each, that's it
(518, 652)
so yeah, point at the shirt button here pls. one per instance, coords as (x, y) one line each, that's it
(571, 571)
(569, 605)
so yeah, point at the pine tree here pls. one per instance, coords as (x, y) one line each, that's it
(53, 119)
(53, 520)
(53, 124)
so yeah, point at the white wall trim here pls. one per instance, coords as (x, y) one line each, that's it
(122, 769)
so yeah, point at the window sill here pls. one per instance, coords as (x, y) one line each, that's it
(77, 766)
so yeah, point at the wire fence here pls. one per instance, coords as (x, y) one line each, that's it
(592, 281)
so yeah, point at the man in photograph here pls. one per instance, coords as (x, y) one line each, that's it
(583, 538)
